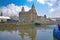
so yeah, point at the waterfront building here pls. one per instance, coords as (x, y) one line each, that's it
(31, 16)
(3, 18)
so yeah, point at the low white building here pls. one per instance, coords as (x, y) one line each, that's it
(4, 18)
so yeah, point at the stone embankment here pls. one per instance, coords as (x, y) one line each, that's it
(7, 23)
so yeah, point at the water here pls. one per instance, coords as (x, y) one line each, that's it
(27, 33)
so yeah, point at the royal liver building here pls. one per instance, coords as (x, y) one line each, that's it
(28, 16)
(31, 15)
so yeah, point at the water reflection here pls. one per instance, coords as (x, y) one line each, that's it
(44, 35)
(26, 33)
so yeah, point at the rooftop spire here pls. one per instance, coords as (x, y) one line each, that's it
(33, 6)
(22, 9)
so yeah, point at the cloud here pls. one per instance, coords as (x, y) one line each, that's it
(29, 0)
(54, 12)
(48, 2)
(26, 8)
(13, 9)
(54, 7)
(41, 1)
(51, 2)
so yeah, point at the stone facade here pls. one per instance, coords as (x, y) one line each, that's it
(41, 19)
(31, 15)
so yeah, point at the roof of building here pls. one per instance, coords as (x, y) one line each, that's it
(4, 17)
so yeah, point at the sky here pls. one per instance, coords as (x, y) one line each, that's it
(50, 8)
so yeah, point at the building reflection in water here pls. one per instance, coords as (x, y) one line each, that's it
(27, 33)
